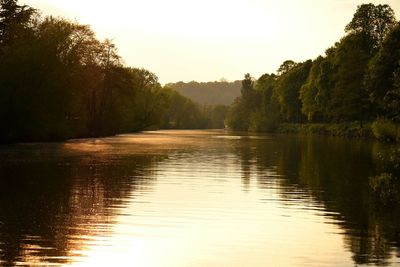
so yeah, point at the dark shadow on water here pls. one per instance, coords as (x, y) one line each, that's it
(52, 200)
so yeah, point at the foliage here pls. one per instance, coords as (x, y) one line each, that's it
(58, 81)
(286, 66)
(383, 76)
(332, 129)
(386, 130)
(315, 93)
(15, 21)
(183, 113)
(258, 122)
(340, 93)
(372, 21)
(267, 118)
(238, 117)
(287, 91)
(349, 98)
(242, 109)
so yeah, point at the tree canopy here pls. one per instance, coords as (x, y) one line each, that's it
(356, 80)
(375, 21)
(58, 81)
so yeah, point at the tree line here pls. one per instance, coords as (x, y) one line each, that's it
(358, 79)
(58, 81)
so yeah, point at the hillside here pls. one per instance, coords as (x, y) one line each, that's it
(209, 93)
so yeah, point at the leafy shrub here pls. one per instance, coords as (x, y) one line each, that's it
(260, 122)
(341, 129)
(386, 130)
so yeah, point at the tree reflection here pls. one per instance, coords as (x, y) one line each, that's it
(56, 199)
(246, 156)
(334, 173)
(53, 200)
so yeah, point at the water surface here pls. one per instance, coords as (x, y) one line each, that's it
(194, 198)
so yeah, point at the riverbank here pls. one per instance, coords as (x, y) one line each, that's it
(337, 129)
(381, 129)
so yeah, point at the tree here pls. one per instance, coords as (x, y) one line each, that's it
(247, 85)
(373, 21)
(238, 117)
(288, 91)
(393, 99)
(315, 93)
(383, 72)
(14, 20)
(267, 117)
(151, 100)
(309, 91)
(34, 82)
(181, 112)
(58, 81)
(349, 98)
(286, 66)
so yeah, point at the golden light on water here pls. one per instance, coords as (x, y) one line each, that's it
(193, 217)
(210, 199)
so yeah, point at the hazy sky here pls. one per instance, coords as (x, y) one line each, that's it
(205, 40)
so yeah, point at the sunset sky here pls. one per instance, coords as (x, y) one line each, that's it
(185, 40)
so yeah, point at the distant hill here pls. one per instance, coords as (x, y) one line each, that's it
(209, 93)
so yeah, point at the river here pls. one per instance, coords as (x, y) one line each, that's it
(194, 198)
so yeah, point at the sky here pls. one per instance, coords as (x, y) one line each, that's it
(207, 40)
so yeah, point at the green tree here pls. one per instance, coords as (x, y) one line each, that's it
(383, 71)
(349, 98)
(183, 113)
(309, 92)
(238, 117)
(248, 91)
(373, 21)
(240, 114)
(315, 93)
(267, 117)
(288, 91)
(286, 66)
(151, 100)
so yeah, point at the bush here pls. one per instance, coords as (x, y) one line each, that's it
(341, 129)
(288, 128)
(386, 130)
(260, 122)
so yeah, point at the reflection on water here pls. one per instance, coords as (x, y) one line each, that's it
(194, 198)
